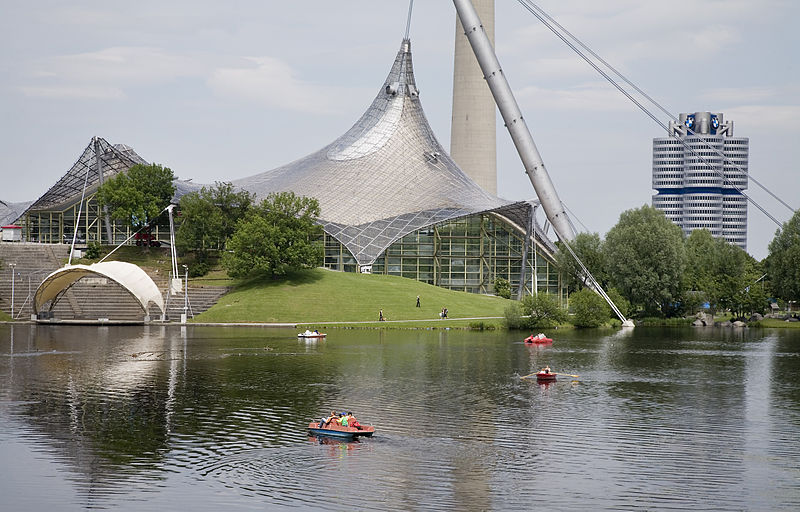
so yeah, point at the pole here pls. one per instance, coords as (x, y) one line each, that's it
(512, 116)
(13, 268)
(185, 315)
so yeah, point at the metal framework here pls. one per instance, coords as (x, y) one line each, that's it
(386, 177)
(52, 217)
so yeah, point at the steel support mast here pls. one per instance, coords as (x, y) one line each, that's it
(521, 135)
(512, 117)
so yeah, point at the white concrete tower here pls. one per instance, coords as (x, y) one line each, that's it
(473, 131)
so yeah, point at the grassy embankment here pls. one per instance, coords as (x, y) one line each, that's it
(322, 296)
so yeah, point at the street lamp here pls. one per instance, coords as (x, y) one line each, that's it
(185, 292)
(12, 265)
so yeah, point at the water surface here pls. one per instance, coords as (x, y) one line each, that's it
(202, 418)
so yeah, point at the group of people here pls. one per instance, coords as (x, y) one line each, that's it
(442, 313)
(342, 419)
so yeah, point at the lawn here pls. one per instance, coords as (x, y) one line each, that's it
(320, 295)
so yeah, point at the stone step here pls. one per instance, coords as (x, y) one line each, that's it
(90, 297)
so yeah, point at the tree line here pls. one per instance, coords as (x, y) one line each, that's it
(269, 238)
(647, 262)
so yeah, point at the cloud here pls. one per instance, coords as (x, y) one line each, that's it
(107, 73)
(777, 118)
(73, 92)
(744, 95)
(272, 83)
(597, 97)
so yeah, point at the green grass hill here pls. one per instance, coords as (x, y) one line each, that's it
(319, 295)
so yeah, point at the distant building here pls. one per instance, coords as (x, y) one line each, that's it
(699, 174)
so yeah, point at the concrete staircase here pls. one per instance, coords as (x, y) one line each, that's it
(92, 297)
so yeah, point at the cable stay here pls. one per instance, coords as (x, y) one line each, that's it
(523, 141)
(548, 21)
(80, 210)
(654, 102)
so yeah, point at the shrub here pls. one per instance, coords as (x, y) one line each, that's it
(590, 309)
(92, 250)
(481, 326)
(513, 316)
(199, 269)
(543, 310)
(502, 288)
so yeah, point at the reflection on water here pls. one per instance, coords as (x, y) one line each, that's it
(138, 418)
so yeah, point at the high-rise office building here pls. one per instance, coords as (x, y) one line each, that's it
(700, 173)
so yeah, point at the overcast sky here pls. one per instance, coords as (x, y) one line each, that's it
(223, 90)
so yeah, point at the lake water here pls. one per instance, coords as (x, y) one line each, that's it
(209, 419)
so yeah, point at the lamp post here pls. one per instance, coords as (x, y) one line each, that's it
(185, 293)
(13, 268)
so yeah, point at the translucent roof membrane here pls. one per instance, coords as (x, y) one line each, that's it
(387, 176)
(68, 189)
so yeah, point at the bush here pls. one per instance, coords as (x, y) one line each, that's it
(199, 269)
(502, 288)
(92, 251)
(482, 326)
(543, 310)
(590, 309)
(513, 314)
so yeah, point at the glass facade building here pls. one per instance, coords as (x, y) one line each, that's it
(392, 201)
(465, 254)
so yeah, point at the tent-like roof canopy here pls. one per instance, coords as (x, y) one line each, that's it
(132, 278)
(387, 176)
(112, 158)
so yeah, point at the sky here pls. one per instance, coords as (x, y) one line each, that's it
(220, 91)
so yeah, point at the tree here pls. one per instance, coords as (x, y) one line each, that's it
(783, 262)
(275, 237)
(721, 272)
(589, 248)
(139, 195)
(646, 257)
(543, 310)
(502, 288)
(208, 217)
(697, 276)
(591, 310)
(621, 302)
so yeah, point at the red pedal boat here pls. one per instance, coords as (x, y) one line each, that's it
(538, 338)
(340, 431)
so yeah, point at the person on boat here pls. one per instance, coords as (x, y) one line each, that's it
(316, 331)
(352, 421)
(546, 369)
(327, 421)
(344, 420)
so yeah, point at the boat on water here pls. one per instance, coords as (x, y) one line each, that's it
(545, 376)
(538, 338)
(311, 334)
(339, 431)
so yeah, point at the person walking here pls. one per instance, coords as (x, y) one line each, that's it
(418, 301)
(380, 316)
